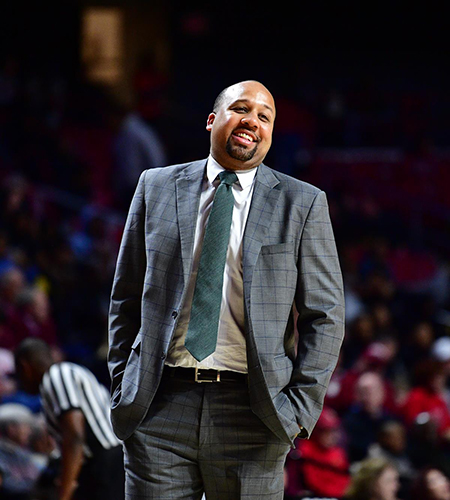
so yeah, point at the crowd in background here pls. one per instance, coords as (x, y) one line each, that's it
(69, 160)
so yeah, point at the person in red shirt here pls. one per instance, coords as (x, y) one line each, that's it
(426, 399)
(319, 466)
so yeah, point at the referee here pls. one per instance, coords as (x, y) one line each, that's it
(76, 408)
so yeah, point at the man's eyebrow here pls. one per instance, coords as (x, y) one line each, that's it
(247, 100)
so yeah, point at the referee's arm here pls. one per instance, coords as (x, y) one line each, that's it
(73, 438)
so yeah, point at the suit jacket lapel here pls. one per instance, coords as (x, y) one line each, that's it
(263, 205)
(188, 189)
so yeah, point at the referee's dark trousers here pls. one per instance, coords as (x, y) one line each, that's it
(102, 476)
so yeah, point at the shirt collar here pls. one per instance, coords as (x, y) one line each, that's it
(245, 177)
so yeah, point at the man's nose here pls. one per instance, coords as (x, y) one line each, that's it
(251, 120)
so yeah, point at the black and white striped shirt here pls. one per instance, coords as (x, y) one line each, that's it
(67, 386)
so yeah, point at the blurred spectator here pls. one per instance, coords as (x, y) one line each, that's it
(425, 445)
(431, 484)
(7, 383)
(391, 445)
(10, 391)
(383, 324)
(34, 318)
(377, 287)
(12, 283)
(361, 333)
(364, 419)
(354, 306)
(76, 408)
(150, 86)
(136, 147)
(18, 214)
(20, 472)
(427, 398)
(373, 479)
(319, 466)
(6, 260)
(440, 351)
(417, 344)
(376, 358)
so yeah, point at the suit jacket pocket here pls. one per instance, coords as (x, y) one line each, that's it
(278, 248)
(127, 374)
(286, 415)
(133, 358)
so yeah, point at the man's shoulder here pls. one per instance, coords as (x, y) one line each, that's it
(172, 171)
(291, 184)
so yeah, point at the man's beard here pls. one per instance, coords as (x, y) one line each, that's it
(239, 152)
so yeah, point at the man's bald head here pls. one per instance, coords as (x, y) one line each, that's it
(241, 125)
(228, 90)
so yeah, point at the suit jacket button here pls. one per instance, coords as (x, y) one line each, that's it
(163, 356)
(174, 314)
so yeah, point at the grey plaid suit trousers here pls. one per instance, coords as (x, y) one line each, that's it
(203, 437)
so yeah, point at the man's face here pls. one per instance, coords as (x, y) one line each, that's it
(27, 377)
(241, 128)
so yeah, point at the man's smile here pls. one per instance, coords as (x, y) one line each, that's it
(244, 137)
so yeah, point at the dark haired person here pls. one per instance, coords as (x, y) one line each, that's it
(76, 408)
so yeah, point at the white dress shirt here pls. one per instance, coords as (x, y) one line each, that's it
(230, 353)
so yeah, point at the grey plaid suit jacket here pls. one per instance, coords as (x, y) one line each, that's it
(291, 276)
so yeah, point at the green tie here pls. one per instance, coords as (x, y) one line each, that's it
(201, 338)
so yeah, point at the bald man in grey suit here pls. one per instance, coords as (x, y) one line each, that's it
(223, 425)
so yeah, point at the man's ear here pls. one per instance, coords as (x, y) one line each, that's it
(210, 121)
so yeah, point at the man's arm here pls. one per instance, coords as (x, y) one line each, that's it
(73, 438)
(320, 304)
(126, 296)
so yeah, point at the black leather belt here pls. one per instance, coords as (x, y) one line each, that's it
(200, 375)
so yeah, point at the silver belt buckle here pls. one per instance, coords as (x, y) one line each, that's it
(200, 381)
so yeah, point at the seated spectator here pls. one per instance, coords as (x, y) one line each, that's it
(392, 446)
(6, 261)
(34, 319)
(431, 484)
(20, 472)
(10, 390)
(416, 347)
(366, 416)
(428, 397)
(12, 282)
(373, 479)
(440, 351)
(375, 359)
(383, 321)
(425, 446)
(319, 466)
(360, 335)
(7, 383)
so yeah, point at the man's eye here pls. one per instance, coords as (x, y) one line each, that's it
(241, 109)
